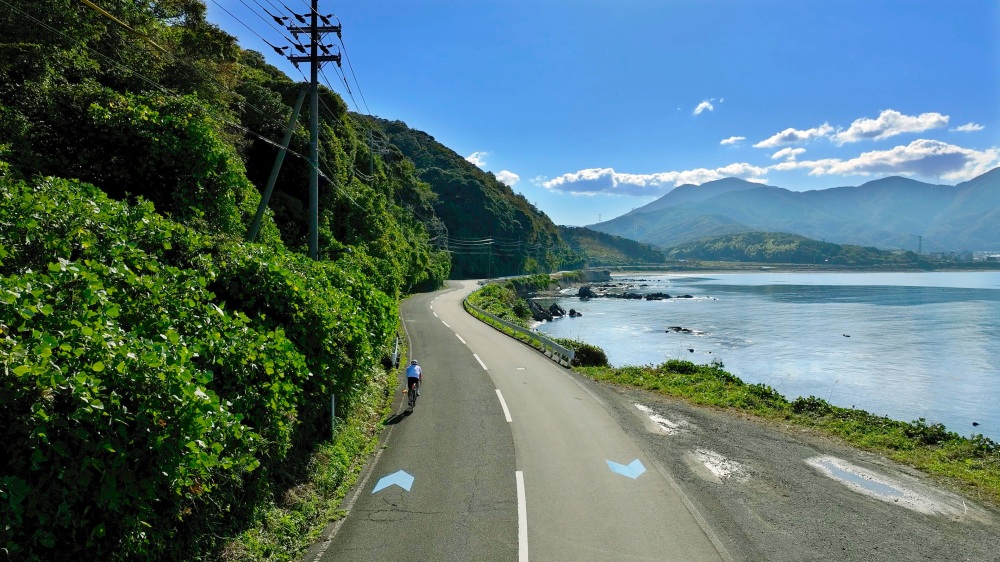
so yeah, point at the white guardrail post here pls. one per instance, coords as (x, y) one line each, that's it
(559, 352)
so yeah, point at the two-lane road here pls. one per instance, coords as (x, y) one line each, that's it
(511, 457)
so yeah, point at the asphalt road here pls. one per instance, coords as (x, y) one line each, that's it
(587, 471)
(484, 488)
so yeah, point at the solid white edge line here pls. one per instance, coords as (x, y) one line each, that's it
(503, 404)
(480, 362)
(522, 518)
(460, 339)
(445, 323)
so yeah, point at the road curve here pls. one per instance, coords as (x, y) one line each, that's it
(562, 480)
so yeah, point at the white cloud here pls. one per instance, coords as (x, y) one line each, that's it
(704, 105)
(478, 158)
(968, 128)
(508, 178)
(788, 153)
(596, 181)
(795, 136)
(889, 123)
(924, 157)
(732, 140)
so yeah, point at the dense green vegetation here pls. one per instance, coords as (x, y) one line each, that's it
(778, 247)
(166, 385)
(473, 206)
(148, 395)
(603, 249)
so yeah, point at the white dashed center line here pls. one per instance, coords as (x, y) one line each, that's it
(480, 361)
(503, 404)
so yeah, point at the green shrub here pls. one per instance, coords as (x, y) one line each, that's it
(811, 405)
(584, 354)
(141, 414)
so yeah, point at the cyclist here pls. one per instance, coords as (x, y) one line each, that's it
(414, 374)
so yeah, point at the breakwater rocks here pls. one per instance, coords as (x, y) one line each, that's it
(616, 291)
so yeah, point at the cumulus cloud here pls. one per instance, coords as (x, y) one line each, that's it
(732, 140)
(795, 136)
(968, 128)
(788, 153)
(594, 181)
(705, 105)
(889, 123)
(508, 178)
(924, 157)
(478, 158)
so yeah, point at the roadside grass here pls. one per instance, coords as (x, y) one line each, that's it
(294, 518)
(969, 465)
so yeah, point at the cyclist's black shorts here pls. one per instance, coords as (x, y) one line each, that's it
(410, 381)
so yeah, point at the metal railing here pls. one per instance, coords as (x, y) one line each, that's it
(559, 353)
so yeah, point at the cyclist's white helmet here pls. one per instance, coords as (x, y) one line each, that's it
(414, 362)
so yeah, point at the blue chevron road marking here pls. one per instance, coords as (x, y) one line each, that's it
(632, 470)
(400, 478)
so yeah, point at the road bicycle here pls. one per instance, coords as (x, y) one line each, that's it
(412, 395)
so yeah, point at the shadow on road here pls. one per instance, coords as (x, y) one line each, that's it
(398, 417)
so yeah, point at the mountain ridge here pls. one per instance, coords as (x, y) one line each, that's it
(888, 213)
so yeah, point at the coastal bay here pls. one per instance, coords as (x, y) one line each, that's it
(904, 345)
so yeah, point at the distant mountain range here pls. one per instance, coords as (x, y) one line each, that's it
(888, 213)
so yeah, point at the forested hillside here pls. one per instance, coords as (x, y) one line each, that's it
(779, 247)
(606, 249)
(164, 382)
(489, 229)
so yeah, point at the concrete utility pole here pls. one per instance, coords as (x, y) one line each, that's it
(315, 32)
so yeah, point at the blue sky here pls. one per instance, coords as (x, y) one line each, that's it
(592, 108)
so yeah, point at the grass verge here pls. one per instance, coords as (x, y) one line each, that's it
(297, 513)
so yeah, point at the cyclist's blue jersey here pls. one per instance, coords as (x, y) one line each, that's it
(413, 372)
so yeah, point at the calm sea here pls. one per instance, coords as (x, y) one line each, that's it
(905, 345)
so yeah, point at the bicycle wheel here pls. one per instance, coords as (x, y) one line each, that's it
(412, 395)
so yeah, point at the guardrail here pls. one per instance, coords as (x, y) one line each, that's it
(561, 354)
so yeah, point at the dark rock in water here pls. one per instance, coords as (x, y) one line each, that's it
(538, 313)
(556, 310)
(586, 292)
(657, 296)
(625, 295)
(975, 424)
(573, 313)
(846, 336)
(691, 350)
(680, 330)
(684, 297)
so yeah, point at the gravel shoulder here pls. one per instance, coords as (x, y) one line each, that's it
(779, 493)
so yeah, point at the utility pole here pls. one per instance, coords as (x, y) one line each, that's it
(315, 32)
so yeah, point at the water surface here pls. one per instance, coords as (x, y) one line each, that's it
(906, 345)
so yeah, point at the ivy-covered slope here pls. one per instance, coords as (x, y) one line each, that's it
(475, 206)
(193, 131)
(161, 376)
